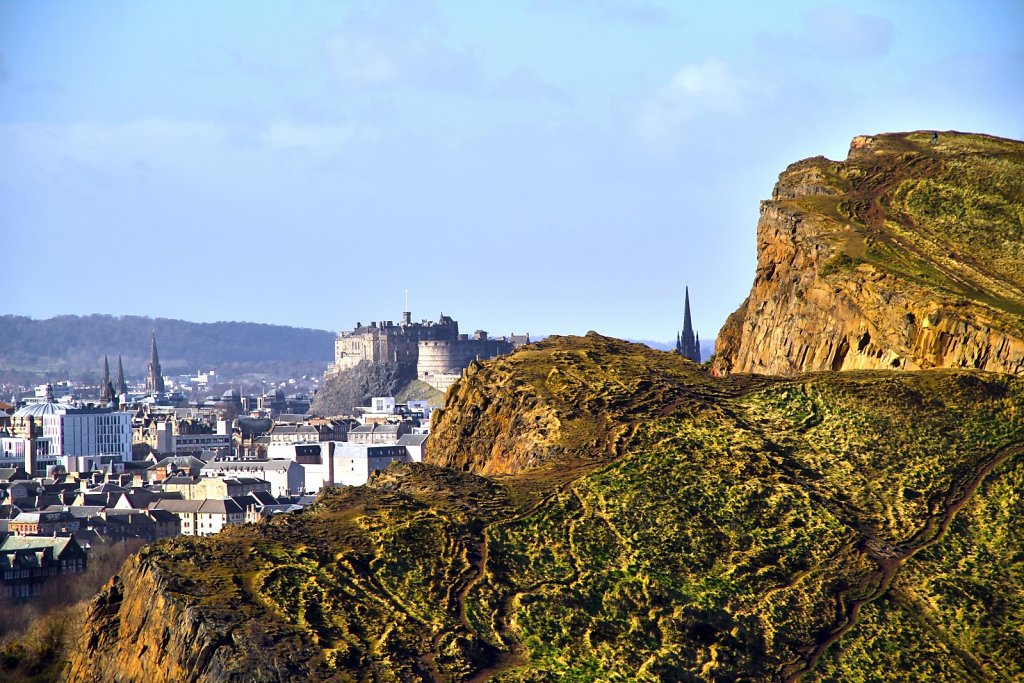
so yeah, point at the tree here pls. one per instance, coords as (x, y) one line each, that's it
(341, 394)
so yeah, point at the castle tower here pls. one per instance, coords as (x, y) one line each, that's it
(686, 341)
(154, 377)
(120, 386)
(106, 388)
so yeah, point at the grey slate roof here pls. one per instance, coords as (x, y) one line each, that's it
(220, 507)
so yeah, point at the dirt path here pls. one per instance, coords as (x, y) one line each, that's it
(477, 555)
(891, 557)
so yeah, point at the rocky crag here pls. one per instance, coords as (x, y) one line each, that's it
(643, 521)
(908, 255)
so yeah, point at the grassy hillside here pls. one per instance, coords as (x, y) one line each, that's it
(671, 526)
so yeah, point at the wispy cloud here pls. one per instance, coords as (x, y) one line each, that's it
(383, 60)
(710, 86)
(526, 86)
(633, 12)
(833, 32)
(189, 151)
(320, 140)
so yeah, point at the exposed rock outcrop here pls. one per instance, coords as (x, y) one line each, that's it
(142, 628)
(560, 399)
(908, 255)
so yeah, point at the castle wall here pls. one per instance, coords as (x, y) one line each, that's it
(451, 357)
(385, 341)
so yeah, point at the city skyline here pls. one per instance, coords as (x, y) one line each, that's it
(548, 167)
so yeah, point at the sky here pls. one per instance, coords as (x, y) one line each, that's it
(541, 166)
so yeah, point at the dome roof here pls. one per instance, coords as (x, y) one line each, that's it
(40, 409)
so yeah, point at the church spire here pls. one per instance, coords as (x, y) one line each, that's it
(106, 388)
(120, 385)
(687, 343)
(154, 377)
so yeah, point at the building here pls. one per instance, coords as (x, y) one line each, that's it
(688, 341)
(353, 464)
(386, 342)
(196, 444)
(107, 395)
(285, 476)
(202, 517)
(77, 439)
(311, 431)
(120, 386)
(442, 348)
(154, 376)
(172, 434)
(43, 524)
(201, 488)
(415, 445)
(374, 433)
(440, 363)
(27, 562)
(338, 462)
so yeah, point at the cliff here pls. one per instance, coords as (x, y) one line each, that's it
(647, 522)
(908, 255)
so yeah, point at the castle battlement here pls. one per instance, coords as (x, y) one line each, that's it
(420, 349)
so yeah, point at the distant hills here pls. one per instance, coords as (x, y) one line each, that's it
(707, 346)
(76, 344)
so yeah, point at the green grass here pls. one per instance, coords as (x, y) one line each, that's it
(682, 528)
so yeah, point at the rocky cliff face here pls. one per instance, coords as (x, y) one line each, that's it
(142, 627)
(908, 255)
(554, 401)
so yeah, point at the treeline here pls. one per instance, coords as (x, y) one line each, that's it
(77, 344)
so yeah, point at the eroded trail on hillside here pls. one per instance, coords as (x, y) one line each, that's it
(890, 557)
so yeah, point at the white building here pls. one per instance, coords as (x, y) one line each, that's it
(353, 463)
(415, 444)
(286, 477)
(336, 462)
(80, 439)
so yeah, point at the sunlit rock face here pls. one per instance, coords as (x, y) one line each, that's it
(908, 255)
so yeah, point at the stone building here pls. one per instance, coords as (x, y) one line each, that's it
(423, 350)
(388, 342)
(154, 375)
(440, 363)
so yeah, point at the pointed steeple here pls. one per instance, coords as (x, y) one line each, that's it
(687, 344)
(106, 388)
(120, 386)
(687, 325)
(154, 377)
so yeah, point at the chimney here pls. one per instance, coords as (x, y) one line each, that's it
(30, 449)
(330, 461)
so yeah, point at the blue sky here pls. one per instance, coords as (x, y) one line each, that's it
(550, 166)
